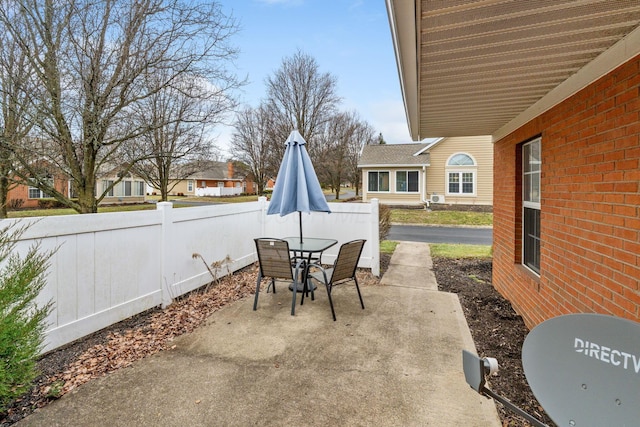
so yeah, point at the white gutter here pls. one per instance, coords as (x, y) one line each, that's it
(403, 19)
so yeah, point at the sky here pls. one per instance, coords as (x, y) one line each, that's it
(349, 39)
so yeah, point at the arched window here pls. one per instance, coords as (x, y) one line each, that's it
(461, 159)
(461, 175)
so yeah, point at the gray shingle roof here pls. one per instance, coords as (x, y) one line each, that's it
(212, 170)
(394, 154)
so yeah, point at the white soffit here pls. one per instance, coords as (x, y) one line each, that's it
(483, 63)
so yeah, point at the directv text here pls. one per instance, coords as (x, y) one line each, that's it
(608, 355)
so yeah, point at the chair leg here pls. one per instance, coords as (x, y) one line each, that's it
(293, 298)
(333, 312)
(255, 301)
(307, 286)
(305, 291)
(359, 294)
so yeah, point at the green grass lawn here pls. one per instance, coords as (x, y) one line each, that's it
(422, 216)
(388, 246)
(460, 251)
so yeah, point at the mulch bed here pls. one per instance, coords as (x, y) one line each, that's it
(497, 330)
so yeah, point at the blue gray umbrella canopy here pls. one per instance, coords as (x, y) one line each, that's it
(297, 187)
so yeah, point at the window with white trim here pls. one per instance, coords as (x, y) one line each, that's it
(407, 181)
(36, 193)
(106, 184)
(190, 185)
(461, 159)
(138, 188)
(531, 169)
(378, 181)
(461, 175)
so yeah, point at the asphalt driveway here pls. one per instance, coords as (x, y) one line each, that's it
(437, 234)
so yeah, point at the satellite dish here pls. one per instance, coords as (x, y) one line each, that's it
(584, 369)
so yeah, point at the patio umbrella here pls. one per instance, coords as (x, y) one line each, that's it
(297, 187)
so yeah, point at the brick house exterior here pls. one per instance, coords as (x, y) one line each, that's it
(25, 196)
(563, 107)
(590, 205)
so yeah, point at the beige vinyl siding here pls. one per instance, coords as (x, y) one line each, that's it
(181, 188)
(480, 148)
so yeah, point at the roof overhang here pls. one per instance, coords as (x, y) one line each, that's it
(487, 67)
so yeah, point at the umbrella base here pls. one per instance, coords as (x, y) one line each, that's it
(299, 286)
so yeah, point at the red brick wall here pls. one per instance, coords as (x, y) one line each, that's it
(21, 192)
(590, 205)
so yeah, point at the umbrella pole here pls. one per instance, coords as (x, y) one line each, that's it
(300, 216)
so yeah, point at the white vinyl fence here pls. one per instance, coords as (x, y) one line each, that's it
(218, 191)
(110, 266)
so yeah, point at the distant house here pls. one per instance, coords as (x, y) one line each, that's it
(130, 189)
(450, 170)
(215, 179)
(29, 196)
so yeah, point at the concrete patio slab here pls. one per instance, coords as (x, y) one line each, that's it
(396, 363)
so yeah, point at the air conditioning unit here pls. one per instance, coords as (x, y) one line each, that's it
(437, 198)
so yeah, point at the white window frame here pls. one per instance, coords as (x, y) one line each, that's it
(138, 188)
(190, 185)
(378, 172)
(460, 174)
(105, 184)
(40, 193)
(406, 177)
(460, 170)
(474, 163)
(126, 190)
(531, 201)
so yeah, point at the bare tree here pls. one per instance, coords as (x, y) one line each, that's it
(300, 98)
(252, 143)
(341, 139)
(14, 123)
(90, 59)
(363, 134)
(333, 139)
(180, 117)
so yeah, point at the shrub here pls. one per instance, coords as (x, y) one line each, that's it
(15, 204)
(50, 204)
(384, 212)
(21, 320)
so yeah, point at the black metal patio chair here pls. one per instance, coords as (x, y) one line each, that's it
(275, 262)
(343, 270)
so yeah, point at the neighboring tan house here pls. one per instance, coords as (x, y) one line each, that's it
(216, 179)
(448, 171)
(131, 189)
(558, 89)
